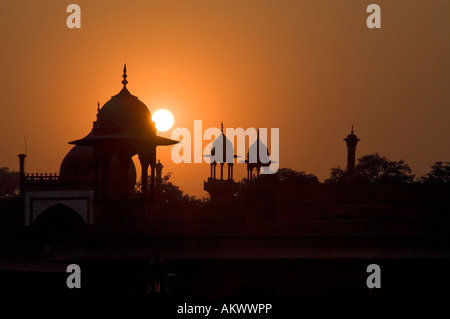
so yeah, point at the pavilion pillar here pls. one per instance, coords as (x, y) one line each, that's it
(96, 179)
(152, 180)
(104, 164)
(124, 161)
(145, 162)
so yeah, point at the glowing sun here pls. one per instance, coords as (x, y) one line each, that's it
(163, 120)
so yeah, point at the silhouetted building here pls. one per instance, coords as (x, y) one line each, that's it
(123, 129)
(222, 152)
(257, 157)
(305, 241)
(97, 177)
(351, 141)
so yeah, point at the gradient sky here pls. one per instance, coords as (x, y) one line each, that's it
(311, 68)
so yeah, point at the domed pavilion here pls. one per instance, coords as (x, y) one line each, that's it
(222, 152)
(123, 129)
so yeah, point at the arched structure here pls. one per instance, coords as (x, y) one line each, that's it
(59, 223)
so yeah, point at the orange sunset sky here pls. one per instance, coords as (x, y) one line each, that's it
(310, 68)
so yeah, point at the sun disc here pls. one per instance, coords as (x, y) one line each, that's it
(163, 120)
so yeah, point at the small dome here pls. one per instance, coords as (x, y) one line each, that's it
(78, 165)
(157, 266)
(351, 140)
(262, 157)
(351, 136)
(222, 150)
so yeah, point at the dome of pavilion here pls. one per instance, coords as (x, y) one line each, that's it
(258, 153)
(124, 119)
(222, 149)
(125, 114)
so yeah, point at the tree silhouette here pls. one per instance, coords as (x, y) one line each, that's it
(9, 182)
(377, 169)
(374, 168)
(337, 176)
(171, 193)
(172, 197)
(259, 195)
(289, 176)
(440, 173)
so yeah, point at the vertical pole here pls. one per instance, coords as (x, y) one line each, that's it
(22, 183)
(22, 171)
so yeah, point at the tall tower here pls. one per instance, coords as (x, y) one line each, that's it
(351, 141)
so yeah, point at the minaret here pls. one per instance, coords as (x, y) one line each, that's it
(351, 141)
(22, 168)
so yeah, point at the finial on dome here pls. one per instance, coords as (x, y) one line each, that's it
(258, 134)
(221, 125)
(98, 106)
(124, 82)
(352, 128)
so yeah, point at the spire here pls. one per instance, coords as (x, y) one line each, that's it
(221, 125)
(124, 82)
(257, 149)
(352, 128)
(98, 106)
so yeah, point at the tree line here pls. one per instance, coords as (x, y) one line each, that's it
(372, 168)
